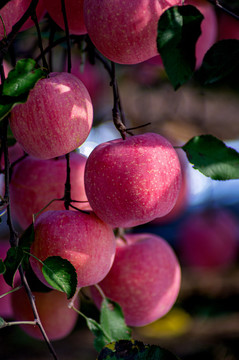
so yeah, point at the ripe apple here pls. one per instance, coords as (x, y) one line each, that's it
(183, 197)
(56, 118)
(44, 182)
(133, 181)
(228, 27)
(125, 32)
(83, 239)
(74, 13)
(57, 318)
(144, 279)
(13, 11)
(208, 239)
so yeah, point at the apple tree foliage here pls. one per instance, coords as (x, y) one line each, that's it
(178, 31)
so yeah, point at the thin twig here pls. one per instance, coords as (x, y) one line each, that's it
(35, 20)
(35, 313)
(63, 9)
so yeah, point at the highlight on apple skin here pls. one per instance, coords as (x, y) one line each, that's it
(208, 239)
(44, 182)
(57, 318)
(81, 238)
(145, 278)
(131, 182)
(125, 32)
(74, 13)
(56, 119)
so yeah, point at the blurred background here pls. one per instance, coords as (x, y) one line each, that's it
(203, 228)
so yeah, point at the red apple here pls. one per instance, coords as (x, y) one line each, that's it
(144, 279)
(83, 239)
(125, 32)
(228, 27)
(183, 197)
(44, 182)
(133, 181)
(57, 318)
(208, 239)
(74, 13)
(13, 11)
(56, 118)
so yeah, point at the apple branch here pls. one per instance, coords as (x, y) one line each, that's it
(223, 8)
(63, 9)
(34, 19)
(5, 43)
(67, 194)
(35, 313)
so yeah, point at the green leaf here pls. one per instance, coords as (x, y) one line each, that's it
(112, 321)
(134, 350)
(60, 274)
(178, 31)
(19, 82)
(212, 157)
(12, 263)
(2, 267)
(220, 62)
(100, 337)
(2, 323)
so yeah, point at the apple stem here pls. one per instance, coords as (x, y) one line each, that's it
(11, 291)
(45, 207)
(100, 291)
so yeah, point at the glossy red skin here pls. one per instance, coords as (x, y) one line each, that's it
(83, 239)
(56, 119)
(74, 13)
(209, 239)
(36, 182)
(57, 318)
(125, 31)
(144, 279)
(133, 181)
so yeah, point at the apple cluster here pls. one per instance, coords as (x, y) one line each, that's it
(123, 183)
